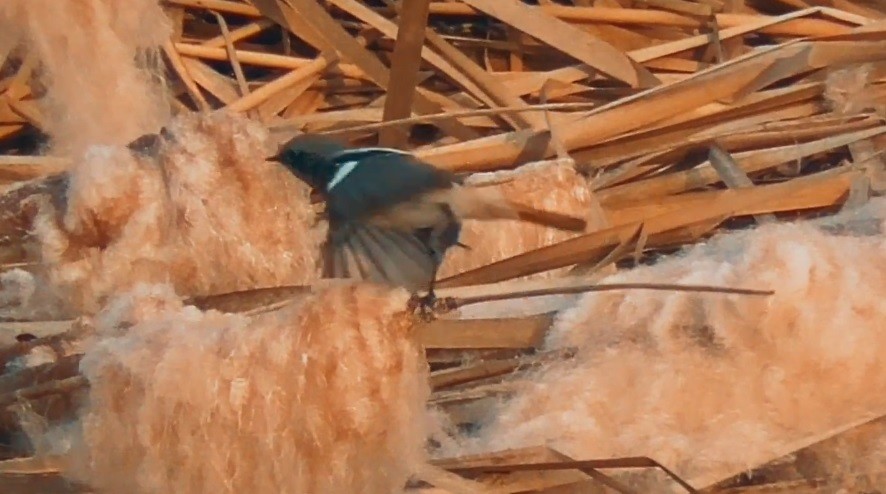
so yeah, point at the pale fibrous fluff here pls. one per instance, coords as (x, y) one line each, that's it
(712, 384)
(324, 395)
(207, 215)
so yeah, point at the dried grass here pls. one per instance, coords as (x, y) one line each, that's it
(210, 215)
(685, 377)
(191, 402)
(94, 100)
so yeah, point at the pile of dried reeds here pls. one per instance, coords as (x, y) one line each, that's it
(686, 116)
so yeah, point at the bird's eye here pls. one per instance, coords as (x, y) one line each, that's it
(291, 155)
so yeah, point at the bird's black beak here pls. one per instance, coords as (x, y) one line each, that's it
(275, 158)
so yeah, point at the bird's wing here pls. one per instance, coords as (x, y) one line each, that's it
(376, 254)
(374, 179)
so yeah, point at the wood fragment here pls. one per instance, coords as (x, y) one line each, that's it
(175, 61)
(214, 83)
(241, 33)
(289, 80)
(494, 367)
(404, 69)
(652, 105)
(871, 426)
(339, 41)
(451, 482)
(526, 332)
(513, 460)
(493, 92)
(627, 16)
(232, 54)
(268, 60)
(563, 36)
(733, 176)
(40, 390)
(750, 162)
(32, 465)
(598, 244)
(20, 168)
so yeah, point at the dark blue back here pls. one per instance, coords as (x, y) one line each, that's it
(383, 179)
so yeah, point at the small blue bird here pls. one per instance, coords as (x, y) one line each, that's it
(392, 217)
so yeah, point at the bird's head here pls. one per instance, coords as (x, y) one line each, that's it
(309, 157)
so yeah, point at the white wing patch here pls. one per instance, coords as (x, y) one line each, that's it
(358, 153)
(341, 172)
(348, 159)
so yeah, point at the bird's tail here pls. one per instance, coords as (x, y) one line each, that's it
(490, 204)
(379, 255)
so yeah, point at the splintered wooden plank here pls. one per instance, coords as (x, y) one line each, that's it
(853, 11)
(679, 6)
(18, 86)
(818, 55)
(524, 332)
(733, 176)
(260, 59)
(716, 112)
(594, 246)
(701, 126)
(652, 17)
(451, 482)
(540, 458)
(473, 372)
(622, 116)
(459, 397)
(178, 66)
(285, 98)
(820, 190)
(648, 107)
(669, 145)
(214, 83)
(232, 54)
(494, 93)
(337, 40)
(545, 482)
(533, 82)
(7, 130)
(290, 19)
(247, 300)
(485, 369)
(867, 433)
(405, 63)
(226, 6)
(64, 367)
(569, 39)
(750, 162)
(33, 465)
(390, 29)
(295, 78)
(531, 454)
(28, 110)
(7, 115)
(14, 168)
(607, 15)
(242, 32)
(54, 387)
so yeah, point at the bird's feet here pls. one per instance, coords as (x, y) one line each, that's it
(423, 306)
(427, 307)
